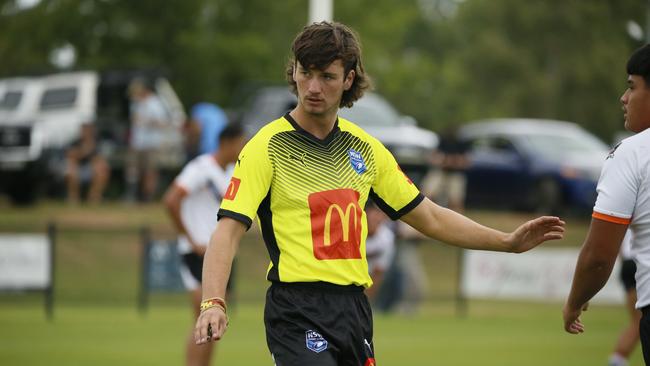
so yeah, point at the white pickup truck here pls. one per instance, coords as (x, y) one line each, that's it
(41, 116)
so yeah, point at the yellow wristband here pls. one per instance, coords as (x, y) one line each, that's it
(212, 302)
(214, 306)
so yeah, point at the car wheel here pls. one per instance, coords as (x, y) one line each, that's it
(24, 187)
(21, 194)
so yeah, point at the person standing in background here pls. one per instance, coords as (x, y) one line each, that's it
(446, 182)
(192, 202)
(206, 122)
(149, 119)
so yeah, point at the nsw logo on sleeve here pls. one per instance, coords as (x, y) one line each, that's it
(357, 162)
(315, 341)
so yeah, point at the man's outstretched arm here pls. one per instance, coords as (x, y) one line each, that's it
(453, 228)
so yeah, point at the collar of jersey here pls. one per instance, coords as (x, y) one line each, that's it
(330, 136)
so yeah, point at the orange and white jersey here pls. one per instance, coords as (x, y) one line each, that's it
(624, 198)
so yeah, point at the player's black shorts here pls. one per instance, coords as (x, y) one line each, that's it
(318, 324)
(194, 264)
(628, 270)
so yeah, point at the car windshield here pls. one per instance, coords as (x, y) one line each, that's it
(58, 98)
(371, 110)
(560, 146)
(11, 100)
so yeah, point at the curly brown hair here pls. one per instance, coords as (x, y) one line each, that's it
(320, 44)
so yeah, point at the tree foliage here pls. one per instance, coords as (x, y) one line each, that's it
(488, 58)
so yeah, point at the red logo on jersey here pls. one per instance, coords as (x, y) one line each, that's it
(336, 224)
(370, 362)
(233, 187)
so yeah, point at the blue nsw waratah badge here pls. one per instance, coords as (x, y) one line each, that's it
(315, 341)
(356, 160)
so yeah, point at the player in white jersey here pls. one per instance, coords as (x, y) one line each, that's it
(192, 202)
(623, 201)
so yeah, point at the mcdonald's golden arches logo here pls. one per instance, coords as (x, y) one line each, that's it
(336, 224)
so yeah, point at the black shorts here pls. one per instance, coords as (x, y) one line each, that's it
(628, 270)
(318, 324)
(194, 264)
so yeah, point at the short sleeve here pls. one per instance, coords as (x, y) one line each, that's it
(618, 186)
(250, 182)
(190, 179)
(392, 190)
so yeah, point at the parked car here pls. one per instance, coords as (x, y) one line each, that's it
(41, 116)
(540, 165)
(410, 144)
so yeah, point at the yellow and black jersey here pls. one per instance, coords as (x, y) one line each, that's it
(308, 195)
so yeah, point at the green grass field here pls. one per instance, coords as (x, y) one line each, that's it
(492, 334)
(96, 319)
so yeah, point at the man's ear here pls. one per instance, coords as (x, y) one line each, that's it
(349, 79)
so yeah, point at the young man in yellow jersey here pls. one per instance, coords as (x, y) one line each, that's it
(306, 177)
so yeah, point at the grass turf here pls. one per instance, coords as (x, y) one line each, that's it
(493, 333)
(96, 321)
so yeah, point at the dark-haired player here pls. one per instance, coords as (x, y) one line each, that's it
(307, 176)
(623, 202)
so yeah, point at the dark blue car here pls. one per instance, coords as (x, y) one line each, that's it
(539, 165)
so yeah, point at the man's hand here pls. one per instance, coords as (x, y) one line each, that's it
(534, 232)
(572, 322)
(210, 326)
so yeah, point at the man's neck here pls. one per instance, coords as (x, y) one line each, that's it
(318, 125)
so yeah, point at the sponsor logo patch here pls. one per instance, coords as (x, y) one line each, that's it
(315, 341)
(357, 162)
(336, 224)
(233, 187)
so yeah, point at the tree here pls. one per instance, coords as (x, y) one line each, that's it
(490, 58)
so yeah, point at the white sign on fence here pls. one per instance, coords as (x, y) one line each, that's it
(24, 262)
(543, 274)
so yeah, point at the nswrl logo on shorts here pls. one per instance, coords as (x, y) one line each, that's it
(315, 341)
(357, 162)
